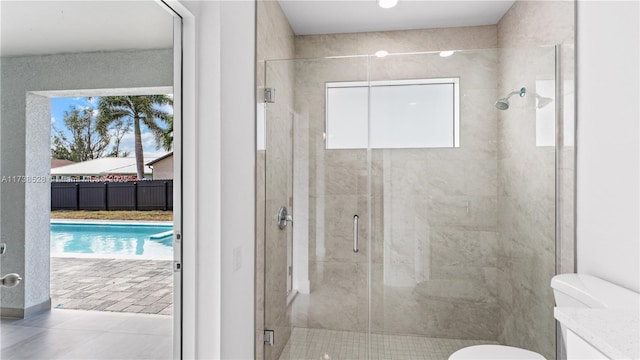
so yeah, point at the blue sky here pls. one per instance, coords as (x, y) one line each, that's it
(60, 105)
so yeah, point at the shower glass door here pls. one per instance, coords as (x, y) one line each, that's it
(421, 215)
(462, 225)
(434, 201)
(316, 286)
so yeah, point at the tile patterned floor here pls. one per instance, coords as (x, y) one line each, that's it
(75, 334)
(320, 344)
(119, 285)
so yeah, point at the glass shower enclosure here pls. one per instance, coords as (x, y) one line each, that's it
(402, 214)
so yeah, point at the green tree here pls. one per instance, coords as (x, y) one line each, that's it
(118, 130)
(139, 110)
(86, 139)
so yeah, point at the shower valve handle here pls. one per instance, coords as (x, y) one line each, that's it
(283, 217)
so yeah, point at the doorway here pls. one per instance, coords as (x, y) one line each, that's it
(71, 72)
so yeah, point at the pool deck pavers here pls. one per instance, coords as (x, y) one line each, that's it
(118, 285)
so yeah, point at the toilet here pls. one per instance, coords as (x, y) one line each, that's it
(569, 290)
(495, 352)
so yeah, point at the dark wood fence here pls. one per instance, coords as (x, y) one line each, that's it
(130, 195)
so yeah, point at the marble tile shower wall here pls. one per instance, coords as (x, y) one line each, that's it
(526, 251)
(527, 223)
(433, 212)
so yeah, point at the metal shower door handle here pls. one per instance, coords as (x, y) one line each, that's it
(355, 233)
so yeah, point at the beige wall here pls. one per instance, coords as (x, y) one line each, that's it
(163, 169)
(526, 246)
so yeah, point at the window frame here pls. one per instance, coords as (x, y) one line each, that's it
(455, 81)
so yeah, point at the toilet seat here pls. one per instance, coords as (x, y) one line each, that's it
(494, 352)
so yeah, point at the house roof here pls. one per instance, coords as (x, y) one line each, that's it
(102, 167)
(160, 158)
(60, 162)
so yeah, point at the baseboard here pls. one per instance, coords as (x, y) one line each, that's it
(11, 313)
(20, 313)
(38, 309)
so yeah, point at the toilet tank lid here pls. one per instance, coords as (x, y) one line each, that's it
(595, 292)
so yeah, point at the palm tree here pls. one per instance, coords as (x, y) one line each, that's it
(139, 109)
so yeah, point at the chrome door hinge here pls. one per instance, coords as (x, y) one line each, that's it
(177, 266)
(269, 337)
(269, 95)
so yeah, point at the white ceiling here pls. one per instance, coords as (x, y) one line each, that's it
(347, 16)
(54, 27)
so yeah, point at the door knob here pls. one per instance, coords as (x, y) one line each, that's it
(10, 280)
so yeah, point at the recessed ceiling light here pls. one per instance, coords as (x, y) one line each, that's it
(381, 53)
(387, 4)
(446, 53)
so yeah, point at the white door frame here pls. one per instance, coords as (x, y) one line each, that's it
(184, 150)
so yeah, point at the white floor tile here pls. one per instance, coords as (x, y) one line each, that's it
(321, 344)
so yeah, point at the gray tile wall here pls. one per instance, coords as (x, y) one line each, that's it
(526, 244)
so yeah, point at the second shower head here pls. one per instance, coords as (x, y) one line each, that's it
(503, 104)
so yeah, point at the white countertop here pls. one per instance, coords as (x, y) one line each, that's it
(614, 332)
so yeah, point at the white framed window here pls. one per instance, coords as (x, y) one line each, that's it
(417, 113)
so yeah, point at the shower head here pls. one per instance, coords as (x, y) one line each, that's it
(503, 104)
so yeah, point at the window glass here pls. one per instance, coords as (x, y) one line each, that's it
(403, 114)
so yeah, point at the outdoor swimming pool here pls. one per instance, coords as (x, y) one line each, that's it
(112, 240)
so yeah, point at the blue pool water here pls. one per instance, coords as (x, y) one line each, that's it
(154, 241)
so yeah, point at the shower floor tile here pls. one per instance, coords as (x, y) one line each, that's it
(320, 344)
